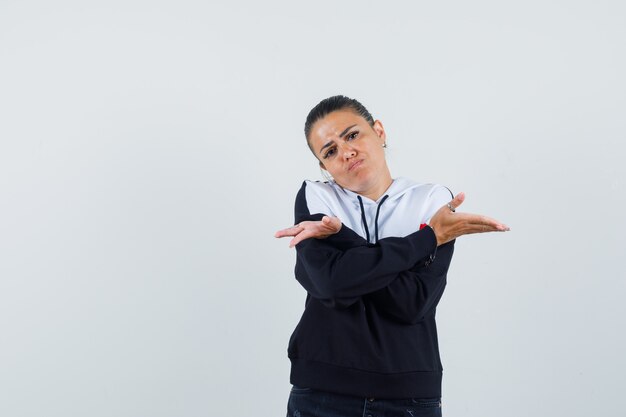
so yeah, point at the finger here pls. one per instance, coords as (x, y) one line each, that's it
(494, 223)
(481, 228)
(487, 227)
(480, 219)
(305, 234)
(287, 232)
(290, 231)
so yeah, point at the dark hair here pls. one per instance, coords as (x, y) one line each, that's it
(331, 104)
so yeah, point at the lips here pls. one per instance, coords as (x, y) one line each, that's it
(355, 164)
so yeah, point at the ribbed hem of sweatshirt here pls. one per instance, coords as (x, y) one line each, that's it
(349, 381)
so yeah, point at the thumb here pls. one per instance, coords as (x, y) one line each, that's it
(333, 222)
(458, 200)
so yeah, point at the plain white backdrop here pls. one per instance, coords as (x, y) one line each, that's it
(149, 150)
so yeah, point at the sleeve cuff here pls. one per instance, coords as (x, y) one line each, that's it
(425, 240)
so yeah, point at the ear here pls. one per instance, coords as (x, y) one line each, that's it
(380, 130)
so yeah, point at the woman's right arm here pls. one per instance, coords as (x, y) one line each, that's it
(414, 295)
(343, 266)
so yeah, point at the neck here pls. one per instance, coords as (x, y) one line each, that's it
(378, 187)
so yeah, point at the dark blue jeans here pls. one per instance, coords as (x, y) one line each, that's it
(306, 402)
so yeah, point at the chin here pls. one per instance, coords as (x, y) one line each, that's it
(359, 184)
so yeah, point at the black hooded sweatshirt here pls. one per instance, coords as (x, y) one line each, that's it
(368, 328)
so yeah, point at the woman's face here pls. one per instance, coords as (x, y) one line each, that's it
(350, 149)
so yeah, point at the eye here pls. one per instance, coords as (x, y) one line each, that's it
(330, 152)
(353, 135)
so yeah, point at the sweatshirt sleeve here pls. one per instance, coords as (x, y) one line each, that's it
(415, 293)
(344, 266)
(438, 197)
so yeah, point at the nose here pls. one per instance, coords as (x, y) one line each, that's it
(348, 152)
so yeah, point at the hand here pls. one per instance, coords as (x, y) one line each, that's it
(307, 229)
(449, 225)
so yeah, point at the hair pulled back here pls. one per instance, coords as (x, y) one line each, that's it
(331, 104)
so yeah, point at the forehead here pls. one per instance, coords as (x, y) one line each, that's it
(330, 126)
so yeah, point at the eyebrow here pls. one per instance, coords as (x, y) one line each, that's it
(342, 134)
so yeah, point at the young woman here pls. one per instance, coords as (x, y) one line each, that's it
(372, 253)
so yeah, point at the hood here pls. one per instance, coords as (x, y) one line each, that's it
(397, 189)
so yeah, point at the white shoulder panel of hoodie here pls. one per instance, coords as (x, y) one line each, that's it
(330, 199)
(408, 205)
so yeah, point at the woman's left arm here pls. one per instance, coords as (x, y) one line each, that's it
(414, 295)
(410, 297)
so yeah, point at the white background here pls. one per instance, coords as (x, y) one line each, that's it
(149, 150)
